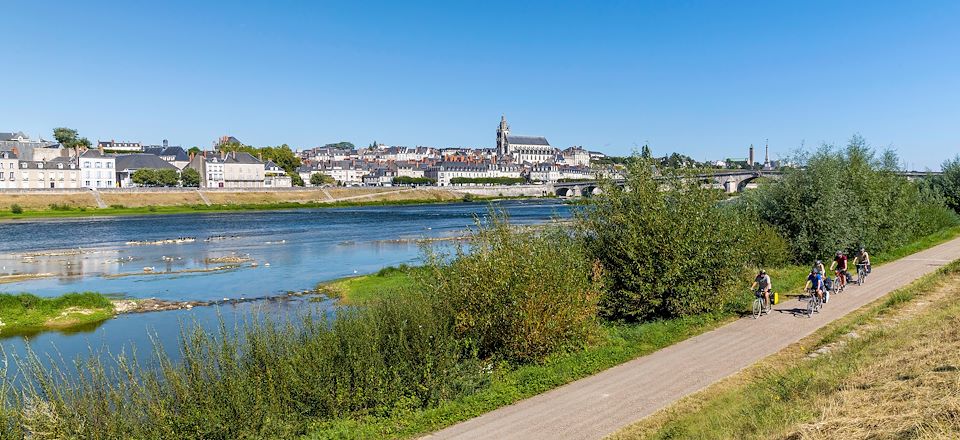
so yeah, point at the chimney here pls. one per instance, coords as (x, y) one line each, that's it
(165, 143)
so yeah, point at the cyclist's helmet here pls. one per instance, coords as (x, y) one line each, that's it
(819, 262)
(839, 253)
(862, 250)
(763, 272)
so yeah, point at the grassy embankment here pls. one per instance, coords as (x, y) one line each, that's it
(889, 370)
(81, 205)
(25, 313)
(509, 384)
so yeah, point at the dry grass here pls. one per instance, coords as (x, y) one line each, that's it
(910, 392)
(887, 371)
(264, 197)
(138, 200)
(43, 201)
(339, 193)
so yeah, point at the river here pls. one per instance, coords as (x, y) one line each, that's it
(233, 255)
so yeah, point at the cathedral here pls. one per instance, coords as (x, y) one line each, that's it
(522, 149)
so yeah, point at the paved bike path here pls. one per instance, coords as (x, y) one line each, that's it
(599, 405)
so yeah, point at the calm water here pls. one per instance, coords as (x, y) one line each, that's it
(283, 251)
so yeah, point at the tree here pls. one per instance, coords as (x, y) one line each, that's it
(194, 150)
(144, 177)
(342, 145)
(318, 179)
(190, 177)
(68, 138)
(153, 177)
(645, 152)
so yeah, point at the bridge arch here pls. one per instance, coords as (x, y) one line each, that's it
(565, 191)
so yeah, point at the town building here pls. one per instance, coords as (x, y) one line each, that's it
(127, 164)
(9, 169)
(444, 172)
(61, 172)
(175, 155)
(229, 170)
(522, 149)
(98, 170)
(114, 146)
(575, 156)
(24, 147)
(275, 177)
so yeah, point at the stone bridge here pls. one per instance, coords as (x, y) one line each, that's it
(731, 181)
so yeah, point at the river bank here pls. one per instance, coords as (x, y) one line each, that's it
(41, 205)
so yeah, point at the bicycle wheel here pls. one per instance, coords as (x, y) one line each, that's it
(757, 307)
(811, 305)
(861, 274)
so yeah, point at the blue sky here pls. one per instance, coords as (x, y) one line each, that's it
(702, 78)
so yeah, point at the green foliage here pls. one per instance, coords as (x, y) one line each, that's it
(68, 138)
(25, 312)
(844, 199)
(407, 180)
(16, 209)
(264, 379)
(518, 295)
(319, 179)
(343, 145)
(60, 207)
(667, 246)
(948, 184)
(155, 177)
(190, 178)
(194, 150)
(487, 180)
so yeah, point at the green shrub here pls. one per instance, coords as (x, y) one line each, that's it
(667, 246)
(844, 199)
(117, 206)
(264, 379)
(518, 296)
(60, 207)
(16, 209)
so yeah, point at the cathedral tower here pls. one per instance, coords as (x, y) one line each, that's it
(502, 132)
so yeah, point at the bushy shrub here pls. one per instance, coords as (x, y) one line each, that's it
(519, 295)
(667, 246)
(844, 199)
(266, 379)
(16, 209)
(948, 183)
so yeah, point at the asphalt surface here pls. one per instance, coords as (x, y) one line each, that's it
(599, 405)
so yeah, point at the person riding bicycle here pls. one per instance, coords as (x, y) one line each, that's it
(863, 258)
(840, 266)
(815, 283)
(818, 267)
(762, 284)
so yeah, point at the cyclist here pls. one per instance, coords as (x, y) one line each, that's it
(815, 284)
(864, 258)
(818, 267)
(840, 264)
(762, 284)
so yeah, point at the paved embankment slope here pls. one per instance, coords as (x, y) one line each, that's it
(599, 405)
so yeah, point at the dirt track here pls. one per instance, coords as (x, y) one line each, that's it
(599, 405)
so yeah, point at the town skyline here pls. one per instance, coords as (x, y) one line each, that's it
(703, 79)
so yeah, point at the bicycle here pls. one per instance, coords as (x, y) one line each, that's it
(861, 273)
(814, 304)
(840, 282)
(758, 304)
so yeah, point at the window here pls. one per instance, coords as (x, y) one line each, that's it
(86, 183)
(86, 164)
(99, 164)
(11, 175)
(109, 164)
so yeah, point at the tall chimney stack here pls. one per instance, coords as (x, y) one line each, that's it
(750, 160)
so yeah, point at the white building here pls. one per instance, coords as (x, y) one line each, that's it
(275, 177)
(97, 169)
(9, 170)
(444, 172)
(575, 156)
(61, 172)
(112, 145)
(522, 149)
